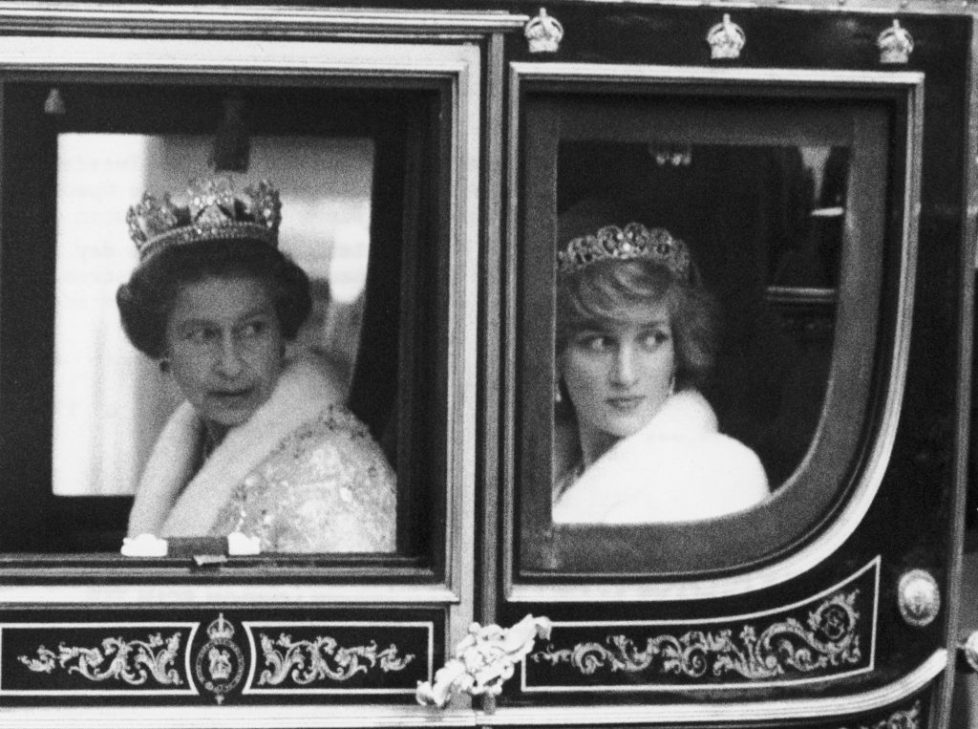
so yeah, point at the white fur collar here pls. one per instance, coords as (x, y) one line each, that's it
(683, 414)
(676, 468)
(165, 508)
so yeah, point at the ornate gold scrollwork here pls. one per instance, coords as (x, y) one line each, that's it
(902, 719)
(828, 639)
(305, 661)
(130, 661)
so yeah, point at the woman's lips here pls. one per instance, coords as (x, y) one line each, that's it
(627, 403)
(231, 396)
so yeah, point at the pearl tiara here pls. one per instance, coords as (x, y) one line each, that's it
(633, 242)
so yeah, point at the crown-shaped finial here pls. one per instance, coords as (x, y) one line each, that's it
(895, 44)
(726, 39)
(220, 629)
(544, 33)
(632, 242)
(212, 210)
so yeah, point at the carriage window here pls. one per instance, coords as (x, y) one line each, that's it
(172, 363)
(717, 267)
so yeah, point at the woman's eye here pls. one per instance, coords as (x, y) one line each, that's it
(655, 338)
(253, 329)
(596, 343)
(202, 335)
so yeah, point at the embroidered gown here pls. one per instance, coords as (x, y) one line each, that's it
(302, 474)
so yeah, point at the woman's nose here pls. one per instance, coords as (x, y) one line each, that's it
(623, 371)
(229, 362)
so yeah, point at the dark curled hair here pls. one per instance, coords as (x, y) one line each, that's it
(146, 301)
(604, 290)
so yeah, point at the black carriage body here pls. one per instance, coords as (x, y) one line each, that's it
(828, 194)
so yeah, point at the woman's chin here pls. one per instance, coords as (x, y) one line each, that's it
(228, 414)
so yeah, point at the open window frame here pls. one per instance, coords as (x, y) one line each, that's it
(879, 117)
(436, 572)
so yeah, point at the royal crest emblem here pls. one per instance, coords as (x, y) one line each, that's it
(220, 662)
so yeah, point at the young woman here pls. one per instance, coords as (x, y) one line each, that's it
(636, 441)
(263, 445)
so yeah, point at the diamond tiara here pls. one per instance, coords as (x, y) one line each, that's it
(633, 242)
(212, 211)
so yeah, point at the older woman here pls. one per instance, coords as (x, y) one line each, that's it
(636, 441)
(263, 445)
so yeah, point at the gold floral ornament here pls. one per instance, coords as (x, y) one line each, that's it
(544, 33)
(483, 660)
(211, 210)
(895, 44)
(726, 39)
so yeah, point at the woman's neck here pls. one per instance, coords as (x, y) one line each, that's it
(213, 436)
(594, 444)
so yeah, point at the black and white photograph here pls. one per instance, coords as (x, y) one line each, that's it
(436, 364)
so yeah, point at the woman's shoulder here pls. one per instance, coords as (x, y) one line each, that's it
(337, 435)
(336, 491)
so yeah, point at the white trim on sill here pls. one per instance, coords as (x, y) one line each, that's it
(250, 716)
(727, 710)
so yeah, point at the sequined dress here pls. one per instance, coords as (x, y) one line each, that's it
(303, 474)
(327, 488)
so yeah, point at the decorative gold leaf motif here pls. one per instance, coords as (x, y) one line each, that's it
(306, 661)
(903, 719)
(828, 639)
(132, 662)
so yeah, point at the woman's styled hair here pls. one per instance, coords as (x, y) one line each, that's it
(605, 290)
(147, 300)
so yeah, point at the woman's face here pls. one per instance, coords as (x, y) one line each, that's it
(618, 373)
(225, 347)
